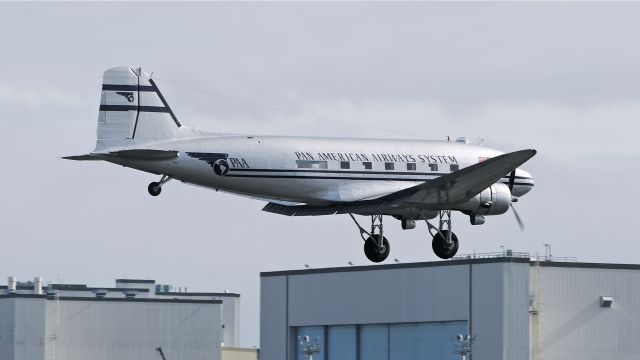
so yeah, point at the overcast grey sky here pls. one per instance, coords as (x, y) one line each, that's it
(562, 78)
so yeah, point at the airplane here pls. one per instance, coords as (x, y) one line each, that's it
(409, 180)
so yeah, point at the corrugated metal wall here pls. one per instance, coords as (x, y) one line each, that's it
(80, 330)
(574, 326)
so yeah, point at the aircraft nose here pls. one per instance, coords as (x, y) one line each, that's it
(523, 183)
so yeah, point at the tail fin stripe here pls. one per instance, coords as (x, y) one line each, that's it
(114, 87)
(133, 111)
(134, 108)
(164, 102)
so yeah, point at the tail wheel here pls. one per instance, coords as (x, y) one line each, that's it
(154, 189)
(442, 248)
(374, 252)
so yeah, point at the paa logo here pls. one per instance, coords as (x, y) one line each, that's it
(220, 167)
(217, 161)
(127, 95)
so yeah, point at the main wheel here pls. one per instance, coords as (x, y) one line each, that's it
(154, 189)
(374, 253)
(441, 248)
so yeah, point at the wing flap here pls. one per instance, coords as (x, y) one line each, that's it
(319, 210)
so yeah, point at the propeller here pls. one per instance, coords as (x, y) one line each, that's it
(518, 219)
(512, 179)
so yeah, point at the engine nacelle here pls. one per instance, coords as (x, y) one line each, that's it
(494, 200)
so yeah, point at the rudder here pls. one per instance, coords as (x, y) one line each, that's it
(132, 110)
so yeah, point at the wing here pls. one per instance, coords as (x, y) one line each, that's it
(441, 192)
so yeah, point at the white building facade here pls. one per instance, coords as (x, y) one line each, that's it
(130, 321)
(514, 308)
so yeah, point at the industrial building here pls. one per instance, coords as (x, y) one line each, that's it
(507, 306)
(136, 319)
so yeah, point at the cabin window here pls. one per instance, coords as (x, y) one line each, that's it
(367, 165)
(454, 167)
(433, 167)
(311, 164)
(388, 166)
(345, 165)
(411, 166)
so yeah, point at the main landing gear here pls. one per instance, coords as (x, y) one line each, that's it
(155, 188)
(376, 246)
(444, 242)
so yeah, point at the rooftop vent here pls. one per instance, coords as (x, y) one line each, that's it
(12, 284)
(37, 285)
(606, 301)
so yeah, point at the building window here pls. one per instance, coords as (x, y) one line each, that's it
(388, 166)
(454, 167)
(433, 167)
(411, 166)
(345, 165)
(311, 164)
(367, 165)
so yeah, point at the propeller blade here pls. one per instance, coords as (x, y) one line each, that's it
(518, 219)
(512, 179)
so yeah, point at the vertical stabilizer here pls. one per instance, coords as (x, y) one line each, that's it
(132, 110)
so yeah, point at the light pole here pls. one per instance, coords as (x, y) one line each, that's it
(307, 347)
(462, 344)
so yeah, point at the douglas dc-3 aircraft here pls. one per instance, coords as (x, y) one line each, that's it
(409, 180)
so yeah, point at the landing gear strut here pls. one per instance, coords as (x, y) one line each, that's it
(156, 187)
(444, 242)
(376, 246)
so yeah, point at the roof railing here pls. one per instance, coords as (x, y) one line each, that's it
(514, 254)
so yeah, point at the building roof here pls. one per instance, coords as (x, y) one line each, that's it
(219, 294)
(455, 262)
(74, 287)
(107, 299)
(135, 281)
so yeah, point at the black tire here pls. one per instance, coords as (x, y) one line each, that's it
(372, 251)
(154, 189)
(440, 246)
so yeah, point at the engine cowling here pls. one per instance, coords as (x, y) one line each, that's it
(494, 200)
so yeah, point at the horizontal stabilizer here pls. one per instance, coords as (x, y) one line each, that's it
(146, 154)
(81, 157)
(133, 154)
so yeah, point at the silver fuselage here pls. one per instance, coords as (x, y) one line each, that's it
(315, 170)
